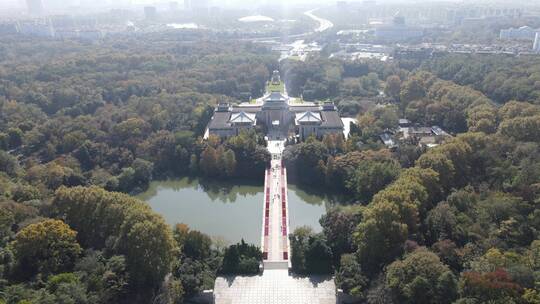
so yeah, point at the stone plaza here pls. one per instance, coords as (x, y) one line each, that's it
(275, 287)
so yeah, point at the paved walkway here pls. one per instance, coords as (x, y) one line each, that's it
(274, 239)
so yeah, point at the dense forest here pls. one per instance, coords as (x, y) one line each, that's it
(84, 125)
(78, 119)
(501, 78)
(114, 116)
(457, 223)
(348, 84)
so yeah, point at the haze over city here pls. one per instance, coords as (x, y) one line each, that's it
(112, 3)
(269, 152)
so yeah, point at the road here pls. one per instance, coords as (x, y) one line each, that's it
(324, 24)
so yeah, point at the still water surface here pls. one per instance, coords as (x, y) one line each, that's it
(227, 211)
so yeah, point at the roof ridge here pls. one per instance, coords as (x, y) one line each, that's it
(240, 115)
(308, 115)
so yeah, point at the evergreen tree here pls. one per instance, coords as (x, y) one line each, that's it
(208, 162)
(193, 164)
(229, 162)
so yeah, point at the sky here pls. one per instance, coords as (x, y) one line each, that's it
(21, 4)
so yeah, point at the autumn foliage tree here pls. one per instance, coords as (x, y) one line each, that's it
(122, 224)
(490, 286)
(47, 247)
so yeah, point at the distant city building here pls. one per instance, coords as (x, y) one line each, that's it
(64, 21)
(200, 4)
(173, 6)
(451, 16)
(8, 28)
(398, 30)
(35, 7)
(39, 28)
(417, 52)
(473, 22)
(66, 34)
(463, 16)
(215, 11)
(524, 32)
(150, 12)
(200, 7)
(90, 34)
(187, 4)
(399, 20)
(341, 4)
(536, 46)
(62, 5)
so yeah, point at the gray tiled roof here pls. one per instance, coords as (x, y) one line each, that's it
(420, 130)
(331, 119)
(308, 117)
(299, 108)
(242, 117)
(220, 120)
(276, 96)
(403, 121)
(247, 109)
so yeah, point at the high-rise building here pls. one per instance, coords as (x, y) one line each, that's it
(173, 6)
(536, 45)
(187, 4)
(200, 4)
(524, 32)
(200, 7)
(36, 27)
(150, 12)
(341, 4)
(35, 7)
(398, 30)
(398, 20)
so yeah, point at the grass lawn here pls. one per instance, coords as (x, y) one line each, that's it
(296, 100)
(270, 87)
(295, 57)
